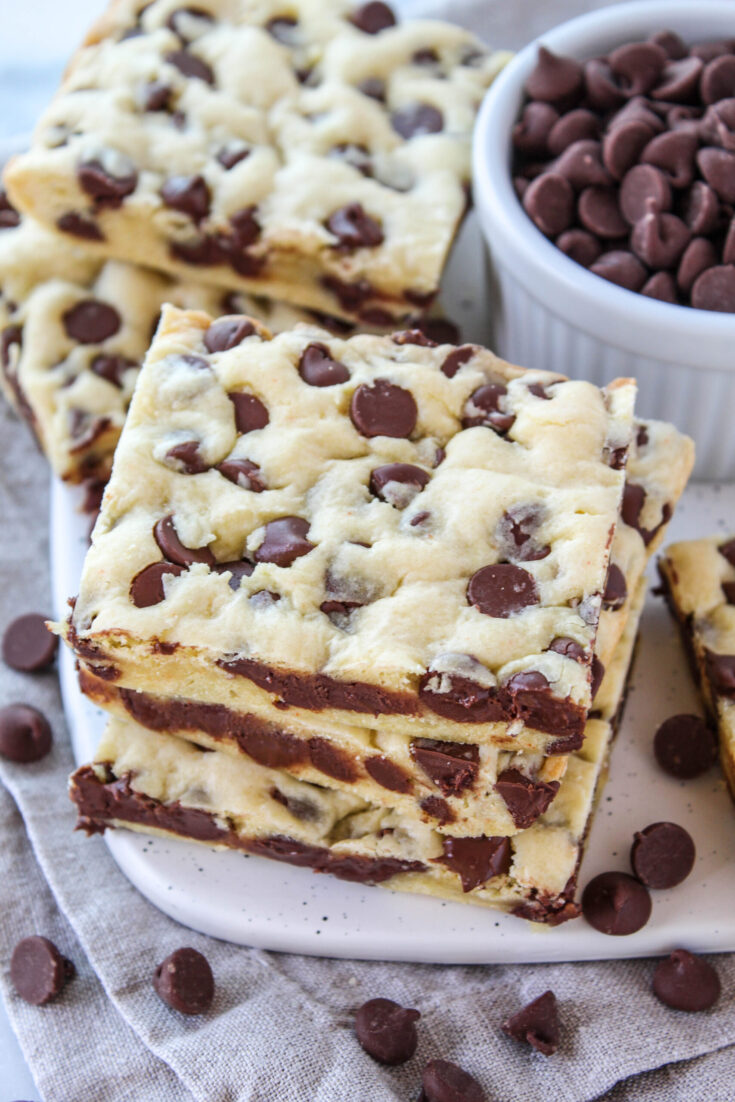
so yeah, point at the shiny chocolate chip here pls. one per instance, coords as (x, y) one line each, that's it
(354, 228)
(317, 367)
(456, 358)
(102, 185)
(452, 766)
(28, 645)
(685, 747)
(188, 194)
(502, 590)
(537, 1024)
(147, 587)
(622, 268)
(186, 458)
(244, 473)
(476, 860)
(166, 536)
(549, 202)
(227, 333)
(284, 541)
(398, 483)
(616, 904)
(525, 798)
(662, 855)
(616, 589)
(250, 413)
(687, 982)
(383, 409)
(443, 1081)
(91, 321)
(486, 406)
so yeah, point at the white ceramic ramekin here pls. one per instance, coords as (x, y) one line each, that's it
(551, 313)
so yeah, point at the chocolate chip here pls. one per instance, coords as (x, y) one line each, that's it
(679, 80)
(227, 333)
(232, 153)
(250, 413)
(485, 407)
(38, 971)
(660, 286)
(718, 168)
(709, 50)
(662, 855)
(383, 409)
(398, 483)
(284, 540)
(555, 79)
(525, 798)
(549, 202)
(634, 499)
(245, 230)
(572, 127)
(623, 145)
(715, 289)
(581, 164)
(387, 1031)
(239, 569)
(416, 120)
(638, 66)
(603, 90)
(718, 79)
(452, 766)
(620, 267)
(28, 645)
(91, 321)
(644, 189)
(318, 368)
(599, 212)
(188, 194)
(443, 1081)
(9, 216)
(157, 96)
(373, 17)
(502, 590)
(614, 903)
(190, 65)
(685, 747)
(146, 588)
(673, 153)
(476, 860)
(185, 982)
(659, 240)
(166, 536)
(112, 368)
(684, 981)
(456, 358)
(186, 458)
(387, 774)
(530, 134)
(516, 531)
(698, 256)
(570, 648)
(354, 228)
(579, 245)
(102, 185)
(670, 43)
(25, 734)
(727, 550)
(78, 225)
(373, 87)
(244, 473)
(537, 1024)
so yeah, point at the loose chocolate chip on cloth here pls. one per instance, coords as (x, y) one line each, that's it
(58, 883)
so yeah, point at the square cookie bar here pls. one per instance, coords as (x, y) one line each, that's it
(314, 151)
(459, 788)
(334, 530)
(699, 583)
(74, 329)
(159, 784)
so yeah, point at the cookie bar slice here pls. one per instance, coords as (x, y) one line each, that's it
(336, 530)
(316, 152)
(74, 329)
(159, 784)
(459, 788)
(699, 583)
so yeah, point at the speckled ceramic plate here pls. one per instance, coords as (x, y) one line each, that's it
(273, 906)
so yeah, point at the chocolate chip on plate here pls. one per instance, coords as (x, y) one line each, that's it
(537, 1024)
(28, 645)
(685, 747)
(25, 734)
(662, 855)
(38, 970)
(684, 981)
(185, 982)
(615, 903)
(387, 1031)
(443, 1081)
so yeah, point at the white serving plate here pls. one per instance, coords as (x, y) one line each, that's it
(253, 901)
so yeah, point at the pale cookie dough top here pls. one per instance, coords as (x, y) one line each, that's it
(239, 127)
(74, 331)
(701, 574)
(387, 511)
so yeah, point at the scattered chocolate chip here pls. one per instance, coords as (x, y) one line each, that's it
(354, 228)
(525, 798)
(250, 413)
(190, 65)
(537, 1024)
(684, 981)
(485, 407)
(556, 80)
(501, 590)
(25, 734)
(398, 483)
(91, 321)
(383, 409)
(79, 225)
(549, 202)
(38, 971)
(112, 368)
(614, 903)
(28, 645)
(227, 333)
(443, 1081)
(570, 648)
(476, 860)
(373, 87)
(146, 588)
(166, 536)
(244, 473)
(318, 368)
(188, 194)
(417, 119)
(185, 982)
(452, 766)
(102, 185)
(622, 268)
(386, 1030)
(685, 747)
(456, 358)
(284, 540)
(373, 17)
(662, 855)
(186, 458)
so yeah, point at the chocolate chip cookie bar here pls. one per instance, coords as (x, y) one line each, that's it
(315, 151)
(159, 784)
(458, 788)
(699, 583)
(336, 530)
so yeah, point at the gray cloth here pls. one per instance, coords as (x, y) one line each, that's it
(280, 1027)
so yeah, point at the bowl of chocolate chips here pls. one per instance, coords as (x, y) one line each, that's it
(604, 180)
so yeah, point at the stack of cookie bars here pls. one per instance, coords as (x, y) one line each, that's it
(358, 600)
